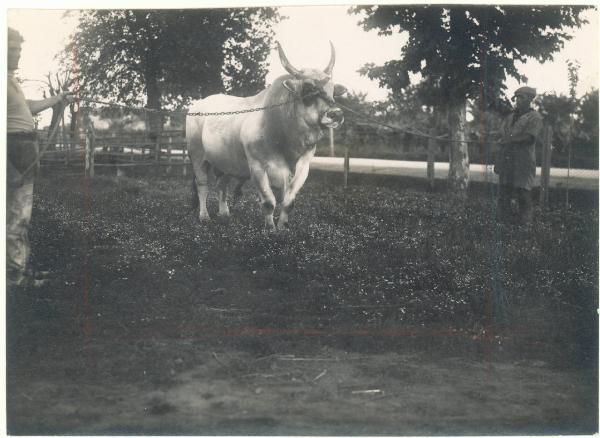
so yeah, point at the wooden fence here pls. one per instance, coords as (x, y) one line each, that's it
(433, 147)
(94, 149)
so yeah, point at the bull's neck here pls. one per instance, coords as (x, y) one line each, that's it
(298, 141)
(294, 137)
(305, 137)
(302, 136)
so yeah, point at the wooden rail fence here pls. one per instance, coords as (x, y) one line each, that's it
(96, 149)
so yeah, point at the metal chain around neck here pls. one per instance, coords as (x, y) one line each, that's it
(200, 113)
(247, 110)
(193, 114)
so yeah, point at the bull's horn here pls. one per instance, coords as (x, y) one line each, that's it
(329, 67)
(286, 64)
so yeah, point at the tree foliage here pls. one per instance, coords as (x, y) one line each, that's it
(466, 51)
(585, 131)
(167, 57)
(555, 108)
(357, 131)
(462, 52)
(405, 111)
(586, 123)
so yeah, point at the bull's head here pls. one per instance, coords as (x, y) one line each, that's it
(316, 90)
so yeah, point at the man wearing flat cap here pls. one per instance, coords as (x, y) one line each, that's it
(22, 153)
(516, 161)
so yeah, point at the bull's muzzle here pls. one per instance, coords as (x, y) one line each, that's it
(333, 118)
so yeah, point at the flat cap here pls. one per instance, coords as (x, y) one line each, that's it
(528, 91)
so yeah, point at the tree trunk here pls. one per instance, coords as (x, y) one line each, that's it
(74, 123)
(547, 134)
(55, 120)
(431, 148)
(155, 120)
(458, 174)
(151, 76)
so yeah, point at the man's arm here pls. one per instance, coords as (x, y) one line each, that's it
(519, 139)
(530, 131)
(36, 106)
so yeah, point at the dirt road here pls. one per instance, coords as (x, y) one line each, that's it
(582, 179)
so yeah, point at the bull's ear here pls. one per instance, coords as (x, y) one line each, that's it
(339, 90)
(289, 85)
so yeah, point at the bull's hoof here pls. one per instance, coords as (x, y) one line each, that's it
(283, 226)
(204, 218)
(269, 228)
(224, 214)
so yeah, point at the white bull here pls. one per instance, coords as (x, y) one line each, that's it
(272, 146)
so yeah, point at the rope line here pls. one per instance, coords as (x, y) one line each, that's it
(263, 108)
(400, 129)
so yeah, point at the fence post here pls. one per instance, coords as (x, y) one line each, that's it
(431, 147)
(183, 158)
(65, 146)
(346, 166)
(547, 134)
(89, 153)
(169, 149)
(157, 151)
(569, 148)
(86, 154)
(93, 153)
(331, 143)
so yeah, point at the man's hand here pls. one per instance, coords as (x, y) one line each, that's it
(66, 97)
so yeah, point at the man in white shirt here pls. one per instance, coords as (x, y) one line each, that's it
(22, 153)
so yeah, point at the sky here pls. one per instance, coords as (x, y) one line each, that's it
(305, 37)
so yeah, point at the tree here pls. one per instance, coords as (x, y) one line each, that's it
(586, 123)
(403, 110)
(354, 131)
(557, 111)
(580, 132)
(165, 58)
(463, 52)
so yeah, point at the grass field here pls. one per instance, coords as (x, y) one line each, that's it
(385, 309)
